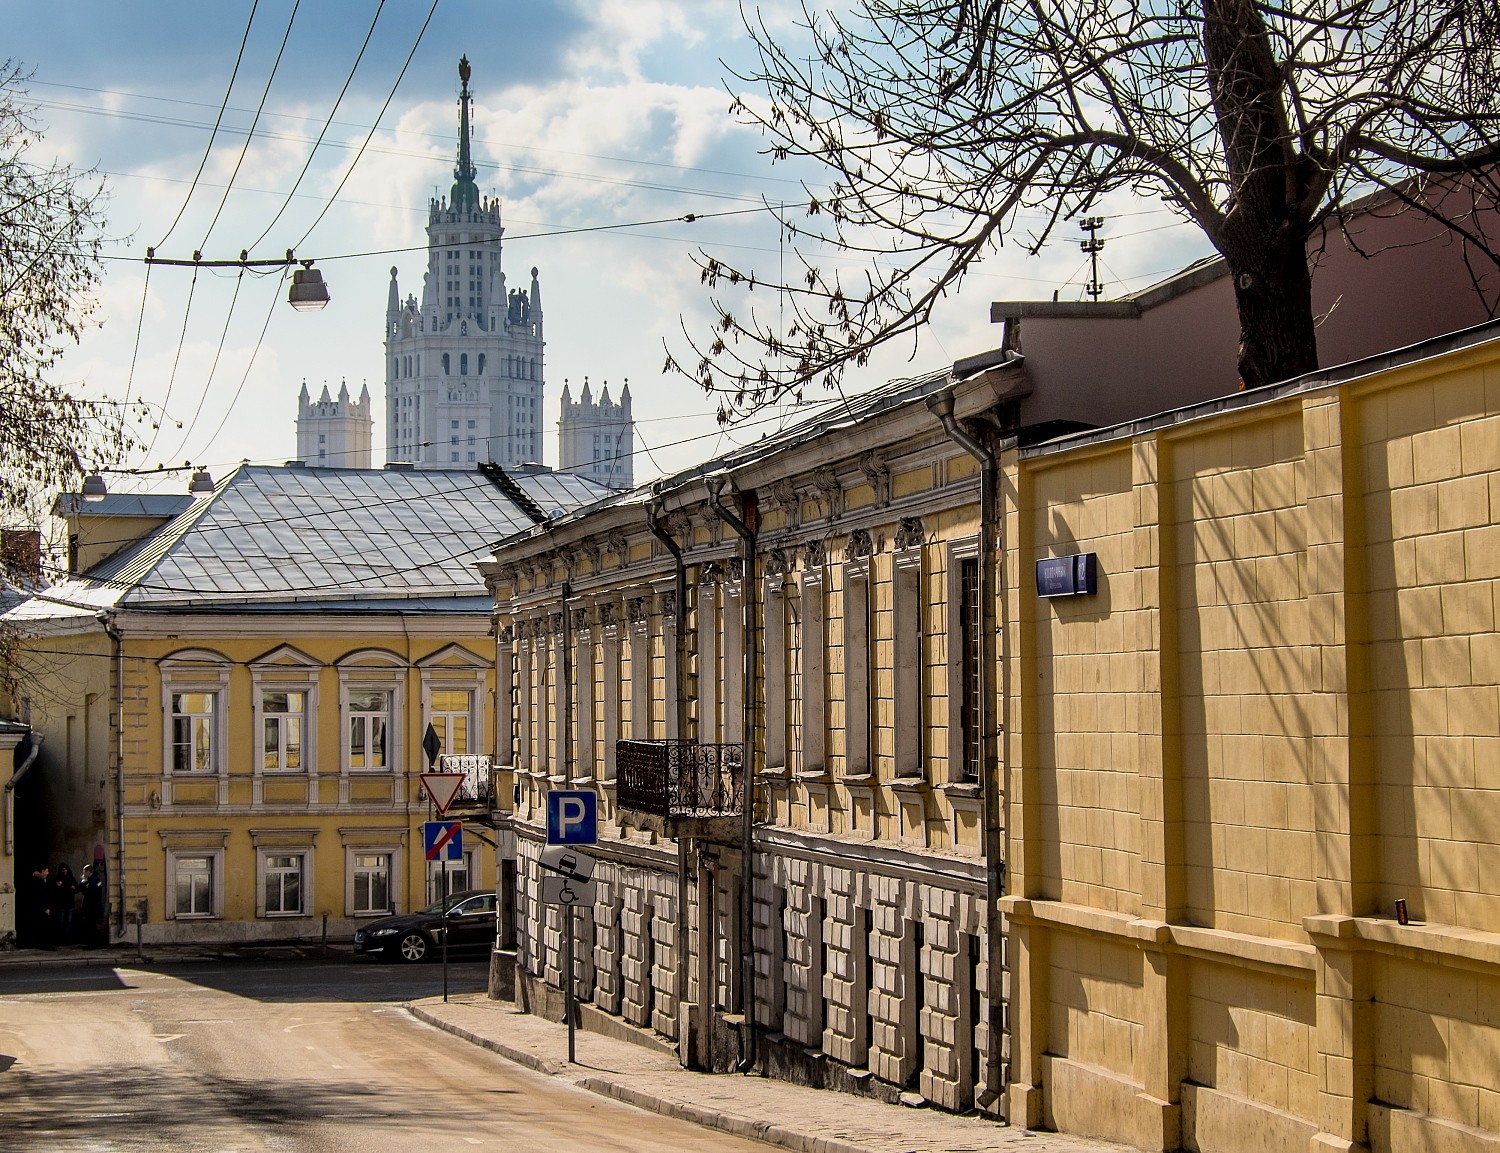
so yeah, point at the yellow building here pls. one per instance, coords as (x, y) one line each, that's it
(769, 669)
(236, 688)
(1253, 778)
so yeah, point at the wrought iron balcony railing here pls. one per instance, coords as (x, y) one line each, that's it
(479, 779)
(679, 778)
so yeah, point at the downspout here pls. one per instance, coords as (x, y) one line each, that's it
(684, 844)
(35, 738)
(746, 534)
(941, 406)
(113, 632)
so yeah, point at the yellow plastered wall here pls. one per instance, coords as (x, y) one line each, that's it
(1279, 715)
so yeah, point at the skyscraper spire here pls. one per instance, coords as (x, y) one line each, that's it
(465, 194)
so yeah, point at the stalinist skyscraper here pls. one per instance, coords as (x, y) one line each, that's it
(465, 366)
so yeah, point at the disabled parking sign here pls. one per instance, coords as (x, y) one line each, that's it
(572, 817)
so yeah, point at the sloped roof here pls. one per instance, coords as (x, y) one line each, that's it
(332, 537)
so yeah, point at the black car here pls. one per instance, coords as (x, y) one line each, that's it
(417, 936)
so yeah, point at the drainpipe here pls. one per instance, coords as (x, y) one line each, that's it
(684, 844)
(113, 632)
(746, 533)
(10, 791)
(941, 406)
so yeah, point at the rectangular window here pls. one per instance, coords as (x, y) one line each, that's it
(968, 673)
(459, 873)
(450, 719)
(193, 732)
(369, 718)
(906, 625)
(282, 715)
(372, 884)
(193, 886)
(283, 883)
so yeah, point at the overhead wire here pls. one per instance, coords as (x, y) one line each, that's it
(250, 135)
(391, 95)
(218, 120)
(328, 123)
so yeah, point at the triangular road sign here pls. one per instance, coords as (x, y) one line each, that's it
(442, 788)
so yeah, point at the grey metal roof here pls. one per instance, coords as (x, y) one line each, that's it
(342, 538)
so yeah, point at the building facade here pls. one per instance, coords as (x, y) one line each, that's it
(465, 365)
(823, 910)
(1250, 775)
(335, 433)
(235, 703)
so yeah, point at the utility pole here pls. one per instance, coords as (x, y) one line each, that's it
(1093, 246)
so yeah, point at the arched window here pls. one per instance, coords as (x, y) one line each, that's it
(533, 368)
(481, 364)
(463, 364)
(395, 367)
(445, 364)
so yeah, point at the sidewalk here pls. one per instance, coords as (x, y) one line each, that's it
(124, 955)
(791, 1116)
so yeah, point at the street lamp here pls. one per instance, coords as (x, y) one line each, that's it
(308, 292)
(94, 489)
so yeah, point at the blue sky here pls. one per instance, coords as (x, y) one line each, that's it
(590, 115)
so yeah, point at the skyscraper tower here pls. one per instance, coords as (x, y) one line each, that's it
(464, 367)
(597, 438)
(334, 433)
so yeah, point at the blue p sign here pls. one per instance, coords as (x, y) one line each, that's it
(572, 817)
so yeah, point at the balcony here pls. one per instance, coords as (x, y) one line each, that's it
(679, 780)
(478, 789)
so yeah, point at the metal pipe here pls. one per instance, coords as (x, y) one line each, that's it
(679, 688)
(10, 800)
(744, 530)
(941, 406)
(113, 632)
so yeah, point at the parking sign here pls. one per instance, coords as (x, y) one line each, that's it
(572, 817)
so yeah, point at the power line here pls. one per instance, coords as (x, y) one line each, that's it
(218, 120)
(312, 152)
(250, 135)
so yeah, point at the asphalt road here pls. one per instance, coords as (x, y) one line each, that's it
(291, 1057)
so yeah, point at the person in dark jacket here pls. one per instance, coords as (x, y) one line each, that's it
(64, 895)
(91, 931)
(38, 919)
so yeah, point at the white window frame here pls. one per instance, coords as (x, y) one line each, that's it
(284, 722)
(372, 671)
(305, 874)
(215, 857)
(456, 669)
(285, 670)
(392, 855)
(196, 671)
(470, 866)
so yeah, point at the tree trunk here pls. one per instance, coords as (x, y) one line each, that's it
(1265, 226)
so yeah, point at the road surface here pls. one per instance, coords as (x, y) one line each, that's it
(290, 1057)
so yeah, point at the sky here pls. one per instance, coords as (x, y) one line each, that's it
(598, 123)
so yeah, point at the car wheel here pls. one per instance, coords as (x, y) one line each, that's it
(414, 947)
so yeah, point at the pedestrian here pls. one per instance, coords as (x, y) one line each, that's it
(92, 934)
(64, 894)
(38, 897)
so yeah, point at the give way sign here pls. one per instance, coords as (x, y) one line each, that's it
(442, 788)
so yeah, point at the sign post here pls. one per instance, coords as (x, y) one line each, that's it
(444, 841)
(572, 819)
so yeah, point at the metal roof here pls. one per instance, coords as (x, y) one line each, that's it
(304, 537)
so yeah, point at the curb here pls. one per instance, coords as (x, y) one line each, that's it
(605, 1087)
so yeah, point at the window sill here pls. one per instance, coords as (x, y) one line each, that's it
(963, 789)
(912, 784)
(859, 781)
(815, 777)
